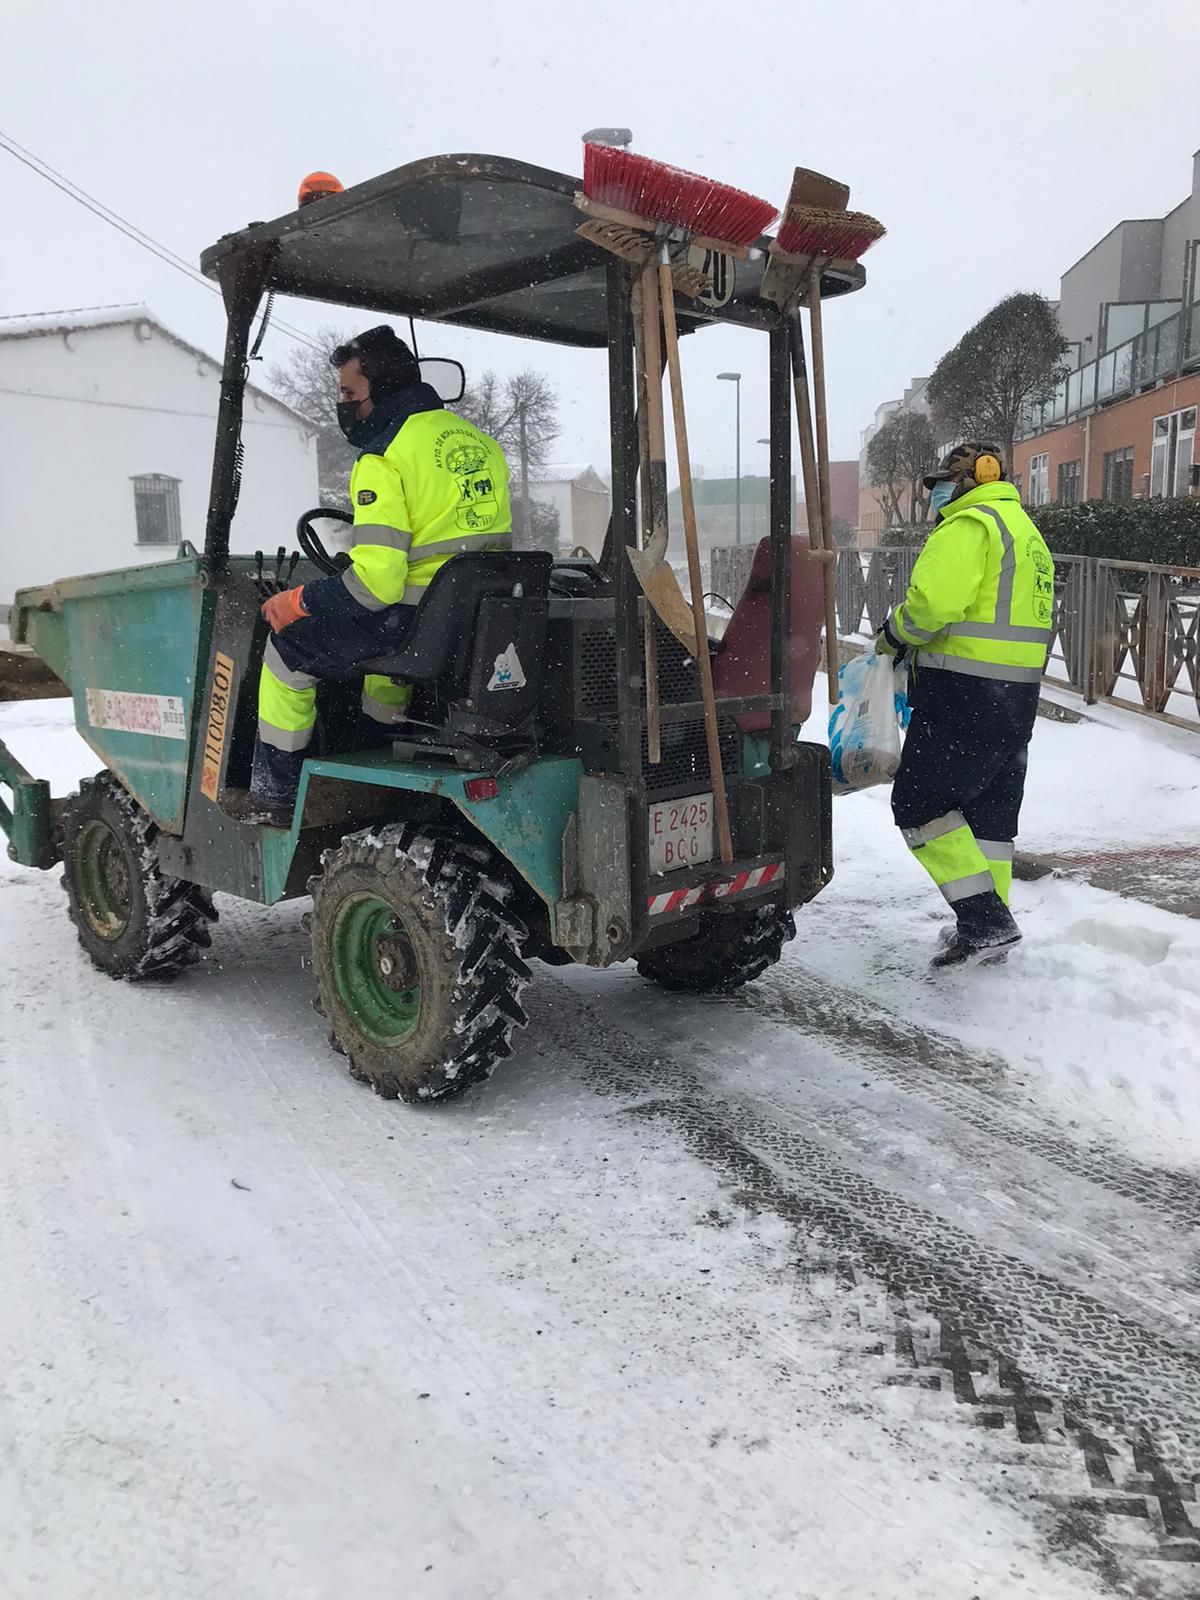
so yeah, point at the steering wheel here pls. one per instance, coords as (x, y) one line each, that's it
(310, 541)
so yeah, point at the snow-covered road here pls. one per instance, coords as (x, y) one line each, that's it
(855, 1286)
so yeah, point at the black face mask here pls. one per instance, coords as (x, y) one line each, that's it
(358, 430)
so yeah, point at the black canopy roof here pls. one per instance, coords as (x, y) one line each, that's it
(476, 240)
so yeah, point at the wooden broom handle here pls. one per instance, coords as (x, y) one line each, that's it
(692, 540)
(812, 500)
(822, 434)
(652, 452)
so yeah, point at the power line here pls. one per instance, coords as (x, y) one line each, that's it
(130, 230)
(165, 411)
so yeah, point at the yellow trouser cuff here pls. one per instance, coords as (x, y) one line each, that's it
(291, 710)
(955, 863)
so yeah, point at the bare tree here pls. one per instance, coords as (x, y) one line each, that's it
(496, 407)
(898, 457)
(308, 383)
(1013, 357)
(521, 414)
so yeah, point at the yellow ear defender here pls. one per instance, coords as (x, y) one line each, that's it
(986, 469)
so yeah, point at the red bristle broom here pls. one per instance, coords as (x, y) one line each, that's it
(678, 207)
(817, 228)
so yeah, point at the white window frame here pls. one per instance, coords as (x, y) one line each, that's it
(1039, 479)
(1172, 446)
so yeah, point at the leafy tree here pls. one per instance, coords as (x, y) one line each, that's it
(844, 532)
(898, 457)
(1013, 357)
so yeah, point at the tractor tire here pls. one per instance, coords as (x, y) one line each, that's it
(417, 960)
(728, 951)
(133, 920)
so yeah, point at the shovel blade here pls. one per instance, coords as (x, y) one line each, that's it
(661, 588)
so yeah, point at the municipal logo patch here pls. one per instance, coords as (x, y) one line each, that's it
(367, 497)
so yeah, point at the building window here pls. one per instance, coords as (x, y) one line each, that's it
(156, 509)
(1068, 483)
(1039, 480)
(1171, 453)
(1118, 474)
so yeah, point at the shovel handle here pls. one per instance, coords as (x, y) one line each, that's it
(653, 456)
(822, 436)
(692, 541)
(812, 501)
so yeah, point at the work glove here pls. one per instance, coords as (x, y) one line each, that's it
(281, 610)
(885, 647)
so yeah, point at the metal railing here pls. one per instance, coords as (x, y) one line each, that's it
(1124, 631)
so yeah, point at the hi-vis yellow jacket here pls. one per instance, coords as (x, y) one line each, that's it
(427, 488)
(981, 598)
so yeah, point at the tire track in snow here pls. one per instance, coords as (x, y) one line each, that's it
(969, 1082)
(1108, 1366)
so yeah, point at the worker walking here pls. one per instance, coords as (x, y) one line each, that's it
(975, 625)
(427, 487)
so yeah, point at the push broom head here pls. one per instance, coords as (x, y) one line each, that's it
(820, 231)
(817, 223)
(659, 193)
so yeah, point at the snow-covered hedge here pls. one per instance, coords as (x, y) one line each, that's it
(1166, 532)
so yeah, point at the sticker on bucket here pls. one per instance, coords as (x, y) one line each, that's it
(160, 715)
(220, 703)
(509, 673)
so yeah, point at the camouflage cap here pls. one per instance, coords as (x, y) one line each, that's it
(960, 463)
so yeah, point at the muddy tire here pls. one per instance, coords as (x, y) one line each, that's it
(729, 950)
(133, 920)
(417, 960)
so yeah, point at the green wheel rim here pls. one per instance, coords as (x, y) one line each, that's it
(375, 970)
(105, 885)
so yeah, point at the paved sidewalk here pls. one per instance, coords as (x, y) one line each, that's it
(1165, 876)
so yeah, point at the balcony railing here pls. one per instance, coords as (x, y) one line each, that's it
(1169, 347)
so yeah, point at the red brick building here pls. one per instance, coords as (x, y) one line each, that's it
(1131, 449)
(843, 496)
(1123, 423)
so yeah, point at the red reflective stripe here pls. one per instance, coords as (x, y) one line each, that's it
(680, 899)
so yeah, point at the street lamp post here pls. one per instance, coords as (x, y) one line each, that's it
(735, 378)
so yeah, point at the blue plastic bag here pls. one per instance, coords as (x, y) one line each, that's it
(864, 728)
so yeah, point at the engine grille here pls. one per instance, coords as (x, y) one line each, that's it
(684, 763)
(678, 679)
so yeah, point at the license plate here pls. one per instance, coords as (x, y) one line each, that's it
(681, 833)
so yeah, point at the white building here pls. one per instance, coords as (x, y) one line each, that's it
(580, 496)
(107, 423)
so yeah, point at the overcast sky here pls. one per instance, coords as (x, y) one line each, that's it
(997, 143)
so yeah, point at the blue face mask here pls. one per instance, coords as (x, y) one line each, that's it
(941, 495)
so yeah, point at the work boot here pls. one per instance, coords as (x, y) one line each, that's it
(274, 783)
(984, 932)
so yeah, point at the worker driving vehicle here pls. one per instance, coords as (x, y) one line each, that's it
(427, 486)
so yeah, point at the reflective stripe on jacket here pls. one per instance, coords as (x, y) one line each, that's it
(981, 598)
(430, 486)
